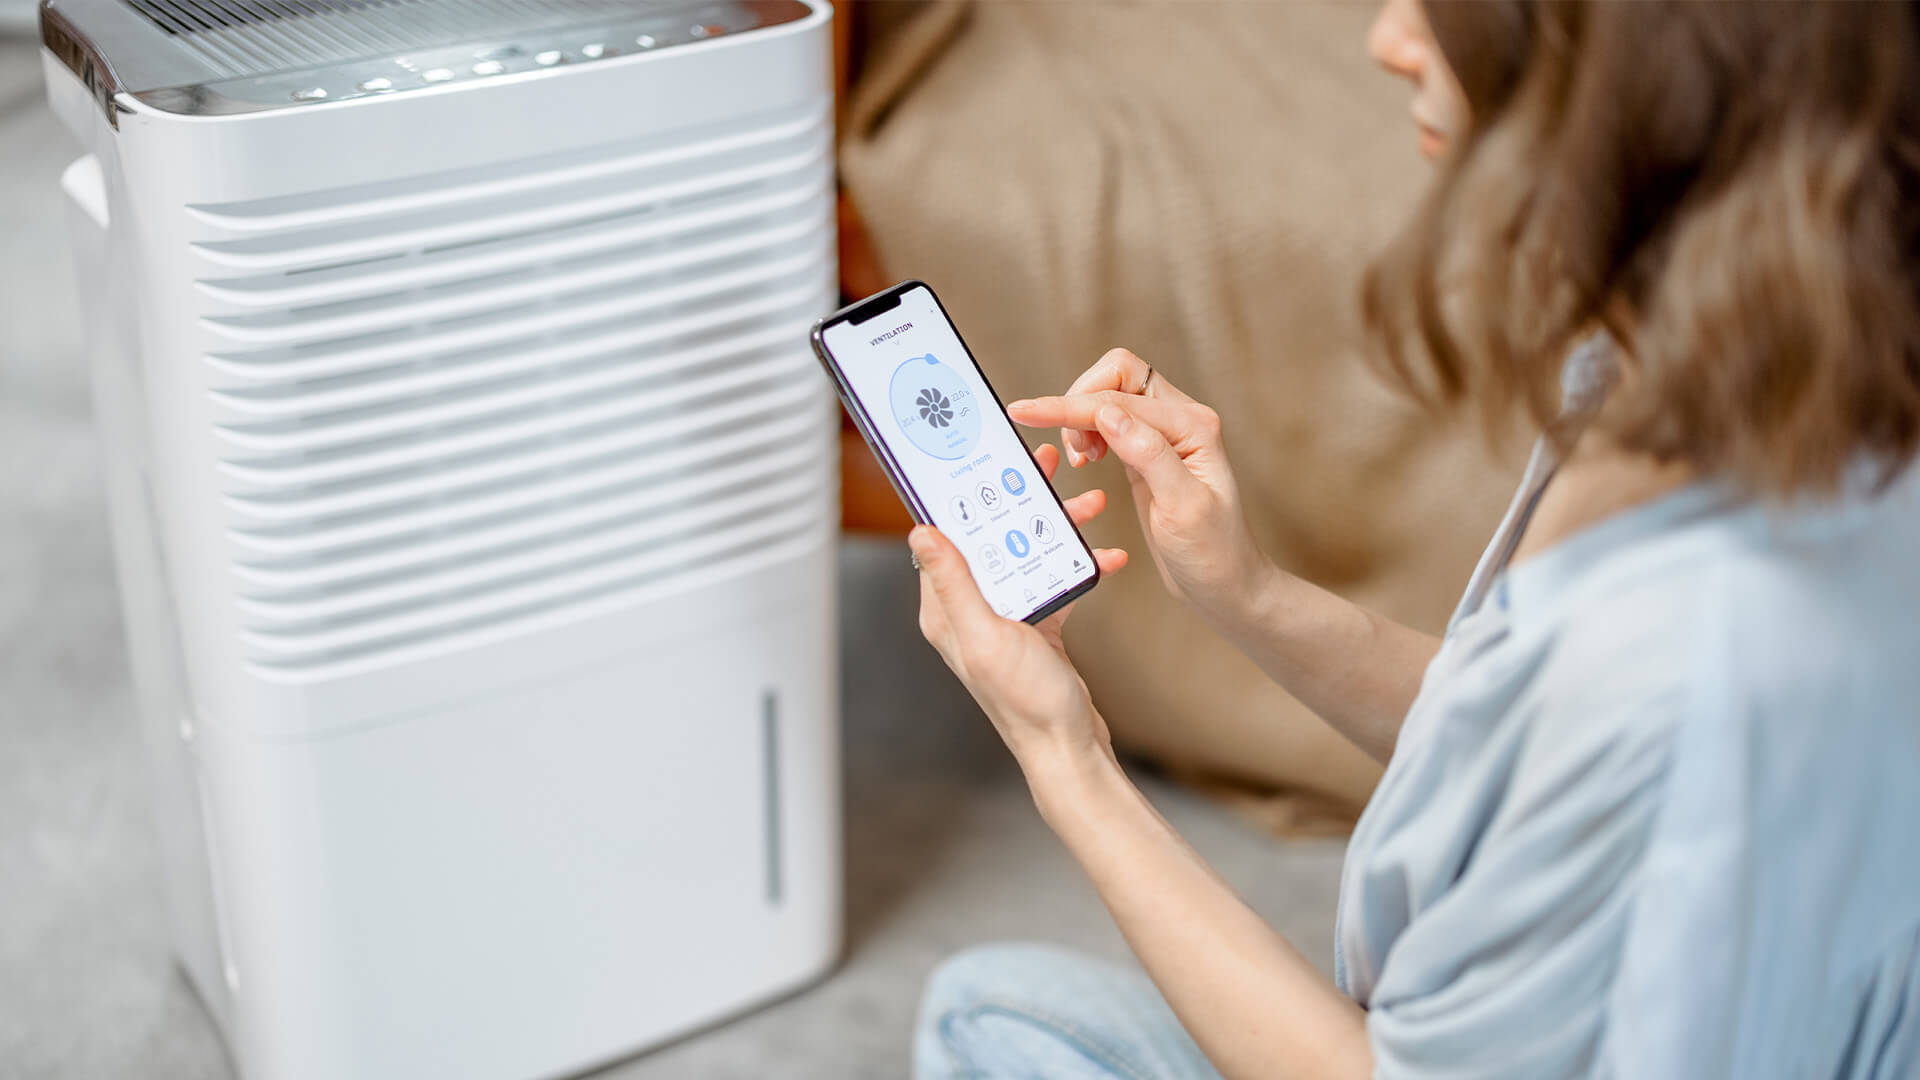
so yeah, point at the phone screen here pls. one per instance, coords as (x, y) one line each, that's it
(925, 407)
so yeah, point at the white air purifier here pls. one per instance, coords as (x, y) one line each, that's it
(473, 495)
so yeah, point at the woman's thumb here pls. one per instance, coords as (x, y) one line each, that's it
(952, 581)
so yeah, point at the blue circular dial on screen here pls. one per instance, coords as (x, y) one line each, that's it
(934, 407)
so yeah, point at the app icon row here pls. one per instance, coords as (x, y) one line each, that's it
(1018, 544)
(988, 496)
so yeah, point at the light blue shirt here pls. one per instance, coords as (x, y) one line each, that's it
(1656, 810)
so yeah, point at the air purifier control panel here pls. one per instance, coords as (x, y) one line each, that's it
(493, 60)
(254, 62)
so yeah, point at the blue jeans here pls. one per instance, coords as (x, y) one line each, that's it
(1027, 1012)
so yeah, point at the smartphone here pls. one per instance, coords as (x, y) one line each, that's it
(945, 441)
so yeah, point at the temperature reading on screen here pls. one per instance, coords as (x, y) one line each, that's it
(934, 407)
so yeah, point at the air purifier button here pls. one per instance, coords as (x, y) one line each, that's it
(376, 84)
(548, 58)
(437, 75)
(646, 41)
(489, 67)
(311, 93)
(594, 51)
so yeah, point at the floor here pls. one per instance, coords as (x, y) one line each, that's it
(943, 846)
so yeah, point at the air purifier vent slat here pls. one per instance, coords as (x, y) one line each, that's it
(579, 379)
(295, 224)
(559, 332)
(361, 414)
(483, 453)
(574, 450)
(519, 504)
(361, 442)
(399, 273)
(660, 280)
(265, 404)
(277, 534)
(457, 537)
(675, 571)
(690, 551)
(675, 185)
(316, 602)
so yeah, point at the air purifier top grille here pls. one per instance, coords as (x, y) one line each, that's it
(375, 25)
(214, 57)
(292, 34)
(187, 18)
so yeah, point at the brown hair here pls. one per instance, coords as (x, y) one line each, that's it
(1732, 188)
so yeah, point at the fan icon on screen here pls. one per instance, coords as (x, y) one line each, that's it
(934, 407)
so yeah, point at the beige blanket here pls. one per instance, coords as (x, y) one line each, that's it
(1202, 182)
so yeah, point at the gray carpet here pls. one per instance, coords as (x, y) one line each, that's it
(943, 847)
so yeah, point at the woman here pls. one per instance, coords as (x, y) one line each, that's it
(1652, 806)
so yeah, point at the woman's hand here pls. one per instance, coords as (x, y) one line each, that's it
(1018, 673)
(1183, 487)
(1252, 1002)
